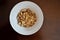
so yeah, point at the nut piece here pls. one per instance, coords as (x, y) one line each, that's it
(26, 18)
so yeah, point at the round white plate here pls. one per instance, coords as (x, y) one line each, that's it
(22, 30)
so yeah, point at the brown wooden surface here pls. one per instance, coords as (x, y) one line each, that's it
(50, 29)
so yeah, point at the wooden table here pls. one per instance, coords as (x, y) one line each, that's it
(50, 29)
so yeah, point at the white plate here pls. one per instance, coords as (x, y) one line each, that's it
(22, 30)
